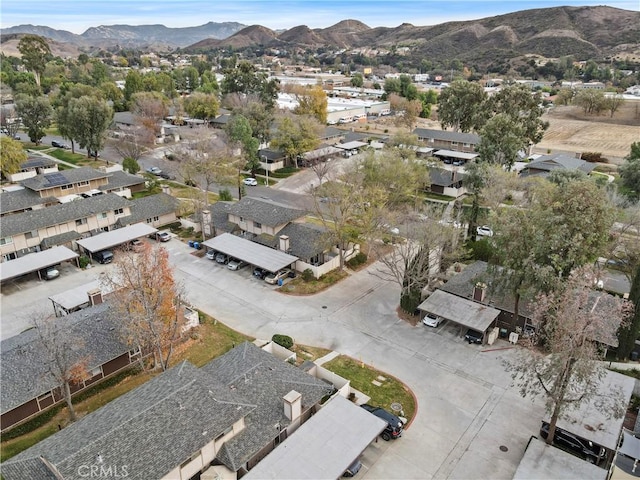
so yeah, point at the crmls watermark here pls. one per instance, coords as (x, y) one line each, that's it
(103, 471)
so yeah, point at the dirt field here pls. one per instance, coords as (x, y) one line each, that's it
(570, 130)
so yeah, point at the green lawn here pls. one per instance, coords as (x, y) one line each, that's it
(362, 376)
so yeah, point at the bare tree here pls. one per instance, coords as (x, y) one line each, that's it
(130, 143)
(572, 324)
(61, 351)
(149, 300)
(322, 168)
(207, 163)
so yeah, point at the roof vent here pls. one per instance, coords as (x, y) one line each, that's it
(99, 459)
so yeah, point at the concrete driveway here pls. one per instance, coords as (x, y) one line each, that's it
(466, 409)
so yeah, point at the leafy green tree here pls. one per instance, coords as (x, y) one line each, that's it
(11, 155)
(36, 113)
(245, 78)
(130, 165)
(202, 105)
(500, 141)
(475, 181)
(629, 331)
(92, 117)
(35, 53)
(62, 104)
(357, 80)
(523, 107)
(260, 118)
(591, 101)
(630, 171)
(295, 135)
(133, 84)
(239, 132)
(208, 83)
(462, 106)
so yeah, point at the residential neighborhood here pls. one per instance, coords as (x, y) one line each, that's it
(283, 262)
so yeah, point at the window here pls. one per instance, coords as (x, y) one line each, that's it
(66, 187)
(467, 145)
(154, 219)
(135, 353)
(118, 211)
(242, 219)
(44, 396)
(81, 221)
(10, 256)
(82, 184)
(6, 241)
(95, 371)
(30, 235)
(454, 144)
(257, 224)
(103, 215)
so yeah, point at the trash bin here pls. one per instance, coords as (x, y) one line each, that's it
(280, 282)
(191, 243)
(196, 245)
(503, 333)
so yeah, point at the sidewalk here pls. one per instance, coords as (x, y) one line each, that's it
(41, 153)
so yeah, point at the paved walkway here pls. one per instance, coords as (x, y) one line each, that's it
(327, 358)
(43, 153)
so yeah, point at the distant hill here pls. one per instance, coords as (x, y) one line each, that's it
(584, 32)
(132, 36)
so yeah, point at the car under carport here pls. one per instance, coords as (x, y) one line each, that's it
(35, 262)
(465, 313)
(250, 252)
(114, 238)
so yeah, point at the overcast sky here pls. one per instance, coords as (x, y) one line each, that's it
(78, 15)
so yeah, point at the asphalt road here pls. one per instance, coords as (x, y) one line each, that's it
(466, 408)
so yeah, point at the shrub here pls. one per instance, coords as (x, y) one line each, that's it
(594, 157)
(33, 424)
(83, 261)
(359, 259)
(130, 165)
(307, 275)
(225, 195)
(481, 249)
(282, 340)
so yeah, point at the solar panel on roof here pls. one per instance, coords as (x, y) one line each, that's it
(56, 179)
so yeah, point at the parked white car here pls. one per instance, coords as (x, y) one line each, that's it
(250, 181)
(484, 231)
(431, 320)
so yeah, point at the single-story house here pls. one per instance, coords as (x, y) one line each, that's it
(444, 139)
(447, 182)
(33, 166)
(545, 164)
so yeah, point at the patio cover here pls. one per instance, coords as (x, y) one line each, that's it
(116, 237)
(78, 296)
(321, 153)
(35, 261)
(264, 257)
(454, 154)
(460, 310)
(324, 446)
(351, 146)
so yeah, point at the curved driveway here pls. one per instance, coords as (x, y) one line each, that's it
(466, 409)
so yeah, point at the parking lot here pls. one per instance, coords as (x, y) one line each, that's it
(466, 409)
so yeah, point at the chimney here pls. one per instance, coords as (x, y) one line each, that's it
(165, 189)
(206, 222)
(292, 405)
(284, 243)
(95, 297)
(479, 291)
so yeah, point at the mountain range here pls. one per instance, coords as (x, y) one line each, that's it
(584, 32)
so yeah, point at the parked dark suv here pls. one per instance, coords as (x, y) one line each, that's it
(473, 337)
(394, 424)
(574, 444)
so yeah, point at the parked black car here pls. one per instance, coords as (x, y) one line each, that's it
(59, 144)
(260, 273)
(105, 256)
(394, 424)
(473, 336)
(574, 444)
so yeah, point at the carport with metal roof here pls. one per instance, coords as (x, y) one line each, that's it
(324, 446)
(455, 154)
(116, 237)
(34, 262)
(354, 145)
(264, 257)
(465, 313)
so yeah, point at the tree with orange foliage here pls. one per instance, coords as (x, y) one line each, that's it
(148, 298)
(149, 108)
(60, 346)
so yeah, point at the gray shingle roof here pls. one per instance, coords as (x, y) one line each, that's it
(548, 163)
(305, 239)
(73, 175)
(264, 380)
(266, 212)
(38, 162)
(60, 239)
(121, 179)
(220, 217)
(151, 430)
(444, 178)
(32, 468)
(61, 213)
(24, 369)
(447, 136)
(154, 205)
(18, 200)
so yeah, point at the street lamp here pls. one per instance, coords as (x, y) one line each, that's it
(264, 158)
